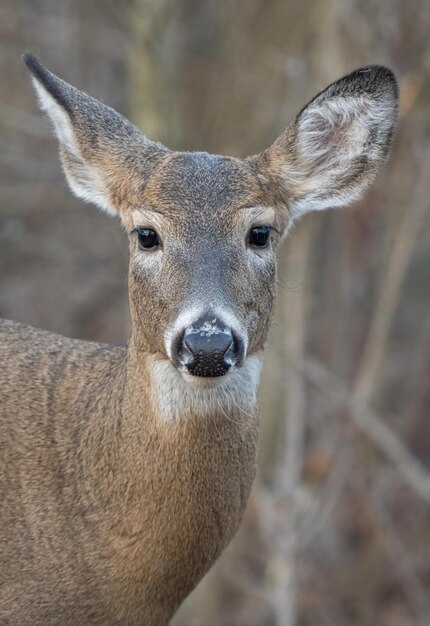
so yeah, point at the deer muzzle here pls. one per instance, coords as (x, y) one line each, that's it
(208, 347)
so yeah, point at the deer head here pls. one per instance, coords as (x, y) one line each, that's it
(204, 229)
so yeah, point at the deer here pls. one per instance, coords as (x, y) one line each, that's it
(125, 470)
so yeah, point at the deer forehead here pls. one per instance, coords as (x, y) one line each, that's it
(197, 181)
(198, 190)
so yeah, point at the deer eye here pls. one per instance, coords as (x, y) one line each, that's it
(259, 236)
(148, 238)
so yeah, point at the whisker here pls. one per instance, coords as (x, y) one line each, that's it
(231, 397)
(230, 419)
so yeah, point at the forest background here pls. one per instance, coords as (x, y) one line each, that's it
(338, 526)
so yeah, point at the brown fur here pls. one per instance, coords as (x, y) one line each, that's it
(108, 515)
(111, 511)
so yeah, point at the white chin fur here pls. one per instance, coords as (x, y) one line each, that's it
(178, 394)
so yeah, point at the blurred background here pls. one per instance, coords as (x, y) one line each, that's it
(337, 531)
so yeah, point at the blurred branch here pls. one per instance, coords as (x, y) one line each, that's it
(399, 554)
(368, 423)
(390, 288)
(290, 466)
(153, 67)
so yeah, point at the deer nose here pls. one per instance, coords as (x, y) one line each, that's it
(208, 348)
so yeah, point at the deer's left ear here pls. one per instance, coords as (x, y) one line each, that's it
(336, 145)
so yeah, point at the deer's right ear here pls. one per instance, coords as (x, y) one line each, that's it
(104, 157)
(336, 145)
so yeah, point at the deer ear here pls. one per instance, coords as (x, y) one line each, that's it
(103, 155)
(337, 143)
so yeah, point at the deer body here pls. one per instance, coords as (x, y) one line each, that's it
(105, 501)
(125, 471)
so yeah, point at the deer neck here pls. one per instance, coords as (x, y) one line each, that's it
(152, 417)
(170, 471)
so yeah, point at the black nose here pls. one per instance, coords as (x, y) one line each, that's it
(207, 348)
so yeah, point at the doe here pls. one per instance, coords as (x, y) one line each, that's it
(125, 471)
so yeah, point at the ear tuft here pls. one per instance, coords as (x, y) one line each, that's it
(52, 102)
(53, 85)
(372, 79)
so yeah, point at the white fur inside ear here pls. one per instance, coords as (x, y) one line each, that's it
(58, 116)
(331, 135)
(83, 178)
(342, 122)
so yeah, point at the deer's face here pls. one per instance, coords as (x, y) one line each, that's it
(203, 229)
(202, 273)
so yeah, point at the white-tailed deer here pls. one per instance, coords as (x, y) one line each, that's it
(125, 471)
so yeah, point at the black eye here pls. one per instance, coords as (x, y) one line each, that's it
(259, 236)
(148, 238)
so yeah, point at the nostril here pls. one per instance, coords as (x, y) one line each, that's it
(185, 354)
(238, 350)
(176, 348)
